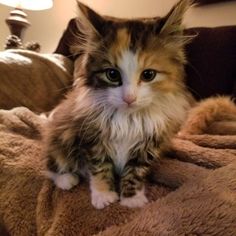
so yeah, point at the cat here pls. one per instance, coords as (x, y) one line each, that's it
(128, 99)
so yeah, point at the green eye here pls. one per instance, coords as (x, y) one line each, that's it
(148, 75)
(113, 75)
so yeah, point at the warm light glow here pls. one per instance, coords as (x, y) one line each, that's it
(29, 4)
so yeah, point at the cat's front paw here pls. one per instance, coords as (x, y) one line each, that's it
(65, 181)
(138, 200)
(101, 199)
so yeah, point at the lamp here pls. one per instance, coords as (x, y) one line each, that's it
(17, 21)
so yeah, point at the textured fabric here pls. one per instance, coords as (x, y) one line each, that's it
(192, 191)
(34, 80)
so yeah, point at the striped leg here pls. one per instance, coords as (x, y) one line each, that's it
(102, 184)
(132, 185)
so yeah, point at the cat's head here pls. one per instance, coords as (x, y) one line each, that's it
(130, 63)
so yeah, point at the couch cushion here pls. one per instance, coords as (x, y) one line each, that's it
(212, 61)
(203, 2)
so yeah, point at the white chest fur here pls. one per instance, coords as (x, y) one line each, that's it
(126, 131)
(121, 148)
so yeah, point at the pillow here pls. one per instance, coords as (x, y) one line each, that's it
(211, 54)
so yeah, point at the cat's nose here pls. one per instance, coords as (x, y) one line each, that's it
(129, 99)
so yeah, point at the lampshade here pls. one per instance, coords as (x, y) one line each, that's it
(29, 4)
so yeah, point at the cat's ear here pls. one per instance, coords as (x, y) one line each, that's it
(90, 19)
(172, 22)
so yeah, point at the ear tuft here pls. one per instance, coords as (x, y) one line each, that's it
(89, 17)
(173, 20)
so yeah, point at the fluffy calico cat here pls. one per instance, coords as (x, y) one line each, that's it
(128, 99)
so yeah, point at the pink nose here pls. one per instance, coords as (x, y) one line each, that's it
(129, 99)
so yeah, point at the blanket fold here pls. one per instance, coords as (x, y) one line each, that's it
(191, 192)
(208, 209)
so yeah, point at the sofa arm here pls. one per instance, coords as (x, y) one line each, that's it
(34, 80)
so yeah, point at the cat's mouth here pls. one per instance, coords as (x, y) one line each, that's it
(130, 107)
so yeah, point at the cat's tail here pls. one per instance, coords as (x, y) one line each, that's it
(213, 115)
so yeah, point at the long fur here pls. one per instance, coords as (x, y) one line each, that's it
(207, 112)
(113, 129)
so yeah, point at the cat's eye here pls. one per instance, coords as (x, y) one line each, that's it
(113, 75)
(148, 75)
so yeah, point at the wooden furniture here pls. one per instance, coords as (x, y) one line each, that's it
(18, 23)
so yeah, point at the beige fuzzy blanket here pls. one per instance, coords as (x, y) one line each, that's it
(193, 190)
